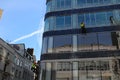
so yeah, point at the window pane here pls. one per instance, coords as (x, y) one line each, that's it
(67, 3)
(95, 1)
(67, 21)
(58, 3)
(108, 17)
(101, 1)
(107, 1)
(59, 22)
(92, 17)
(87, 20)
(47, 25)
(100, 18)
(89, 1)
(45, 45)
(87, 42)
(62, 43)
(81, 2)
(80, 19)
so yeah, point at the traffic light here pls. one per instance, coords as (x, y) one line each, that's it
(83, 29)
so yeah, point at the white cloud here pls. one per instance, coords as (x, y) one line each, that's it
(40, 31)
(39, 36)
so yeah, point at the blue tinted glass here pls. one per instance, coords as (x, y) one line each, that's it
(118, 0)
(105, 38)
(47, 25)
(67, 20)
(60, 21)
(90, 1)
(107, 1)
(95, 1)
(100, 18)
(101, 1)
(87, 19)
(108, 17)
(87, 42)
(80, 19)
(67, 3)
(62, 3)
(81, 2)
(92, 17)
(45, 45)
(87, 39)
(58, 3)
(62, 41)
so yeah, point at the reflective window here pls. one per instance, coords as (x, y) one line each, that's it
(92, 19)
(97, 41)
(80, 19)
(46, 24)
(81, 2)
(49, 6)
(87, 42)
(59, 21)
(105, 38)
(49, 24)
(45, 45)
(100, 18)
(62, 43)
(87, 20)
(108, 17)
(84, 3)
(63, 3)
(105, 41)
(63, 22)
(95, 19)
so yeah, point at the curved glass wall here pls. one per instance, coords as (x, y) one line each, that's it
(62, 43)
(45, 45)
(96, 19)
(81, 42)
(63, 4)
(49, 6)
(63, 22)
(55, 5)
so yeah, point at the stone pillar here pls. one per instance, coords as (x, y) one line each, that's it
(48, 71)
(75, 71)
(74, 43)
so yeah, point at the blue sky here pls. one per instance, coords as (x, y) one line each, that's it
(22, 22)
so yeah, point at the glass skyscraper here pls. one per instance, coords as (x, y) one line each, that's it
(69, 54)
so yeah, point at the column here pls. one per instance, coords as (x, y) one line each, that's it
(73, 2)
(74, 17)
(74, 43)
(48, 71)
(53, 73)
(75, 71)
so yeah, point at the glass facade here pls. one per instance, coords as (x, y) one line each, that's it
(96, 19)
(68, 54)
(71, 4)
(82, 42)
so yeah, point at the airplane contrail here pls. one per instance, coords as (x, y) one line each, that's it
(29, 35)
